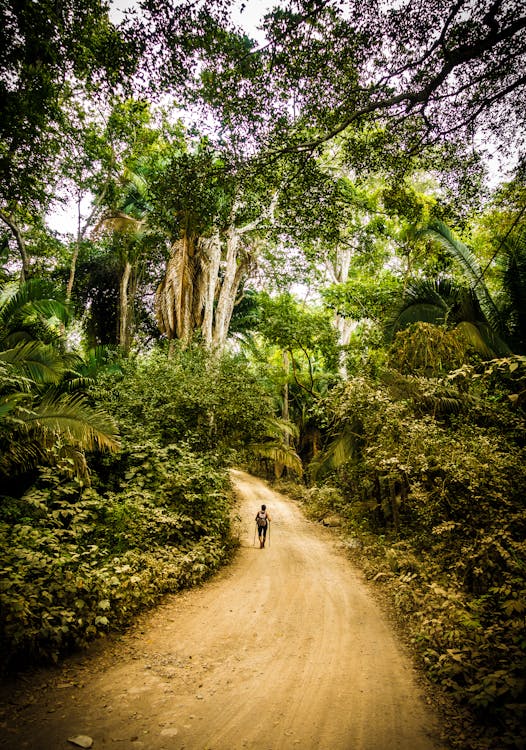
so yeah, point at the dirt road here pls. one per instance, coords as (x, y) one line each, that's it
(285, 649)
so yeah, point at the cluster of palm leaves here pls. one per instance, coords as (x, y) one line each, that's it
(493, 327)
(44, 413)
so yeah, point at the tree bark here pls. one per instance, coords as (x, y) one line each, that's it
(174, 299)
(81, 232)
(124, 308)
(17, 233)
(229, 287)
(278, 467)
(199, 290)
(211, 251)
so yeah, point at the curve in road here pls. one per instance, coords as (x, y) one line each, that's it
(284, 649)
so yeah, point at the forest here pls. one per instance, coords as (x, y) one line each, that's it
(295, 245)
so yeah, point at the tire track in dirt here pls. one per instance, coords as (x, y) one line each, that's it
(284, 649)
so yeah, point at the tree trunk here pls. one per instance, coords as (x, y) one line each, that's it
(234, 268)
(278, 467)
(211, 261)
(199, 290)
(75, 256)
(124, 308)
(339, 273)
(17, 233)
(175, 305)
(81, 233)
(394, 506)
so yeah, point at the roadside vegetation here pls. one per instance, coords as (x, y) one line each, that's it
(430, 501)
(283, 256)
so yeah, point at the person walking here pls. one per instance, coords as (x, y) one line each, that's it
(263, 520)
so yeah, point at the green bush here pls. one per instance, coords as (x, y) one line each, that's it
(55, 596)
(211, 404)
(75, 564)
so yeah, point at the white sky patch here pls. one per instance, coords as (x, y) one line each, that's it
(119, 7)
(249, 13)
(246, 13)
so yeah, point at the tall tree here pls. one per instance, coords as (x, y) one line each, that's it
(49, 52)
(211, 217)
(417, 73)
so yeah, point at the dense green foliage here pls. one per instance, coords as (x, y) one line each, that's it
(82, 558)
(76, 563)
(304, 272)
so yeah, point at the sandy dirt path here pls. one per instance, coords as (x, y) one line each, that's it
(283, 649)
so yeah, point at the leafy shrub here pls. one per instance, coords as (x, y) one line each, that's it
(55, 597)
(209, 403)
(75, 564)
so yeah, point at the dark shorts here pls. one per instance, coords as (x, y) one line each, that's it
(262, 530)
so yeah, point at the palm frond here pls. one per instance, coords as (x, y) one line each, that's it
(74, 384)
(120, 222)
(28, 302)
(20, 455)
(471, 269)
(483, 340)
(70, 415)
(10, 402)
(280, 454)
(340, 450)
(424, 300)
(38, 361)
(276, 427)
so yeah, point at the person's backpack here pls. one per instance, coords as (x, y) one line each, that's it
(261, 518)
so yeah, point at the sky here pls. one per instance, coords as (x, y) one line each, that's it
(247, 13)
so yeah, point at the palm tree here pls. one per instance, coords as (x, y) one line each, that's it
(468, 308)
(274, 447)
(443, 302)
(42, 417)
(474, 275)
(127, 222)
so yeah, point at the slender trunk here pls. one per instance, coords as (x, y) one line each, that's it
(228, 291)
(17, 233)
(394, 506)
(285, 407)
(75, 256)
(124, 308)
(81, 233)
(130, 315)
(339, 272)
(235, 267)
(342, 263)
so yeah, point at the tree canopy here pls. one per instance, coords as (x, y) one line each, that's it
(428, 71)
